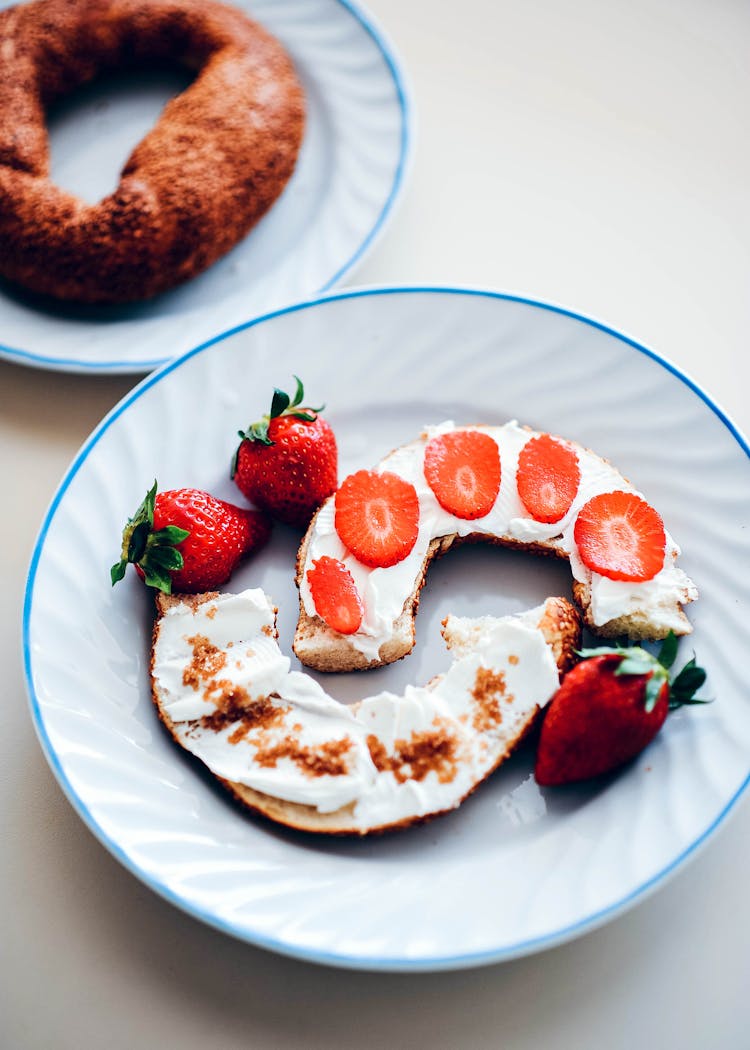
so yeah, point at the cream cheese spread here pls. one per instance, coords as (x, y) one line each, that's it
(227, 691)
(383, 591)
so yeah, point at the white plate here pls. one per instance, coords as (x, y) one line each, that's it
(350, 171)
(514, 869)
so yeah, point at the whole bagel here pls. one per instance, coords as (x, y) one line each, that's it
(216, 160)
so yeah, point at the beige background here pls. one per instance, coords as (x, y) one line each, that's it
(590, 152)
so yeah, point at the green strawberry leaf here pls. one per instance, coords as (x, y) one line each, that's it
(674, 704)
(309, 415)
(687, 683)
(259, 432)
(279, 403)
(601, 651)
(653, 689)
(117, 571)
(299, 392)
(170, 536)
(137, 541)
(165, 558)
(255, 432)
(145, 512)
(636, 664)
(155, 576)
(668, 651)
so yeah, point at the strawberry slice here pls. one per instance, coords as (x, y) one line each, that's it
(548, 478)
(620, 536)
(335, 595)
(377, 517)
(463, 470)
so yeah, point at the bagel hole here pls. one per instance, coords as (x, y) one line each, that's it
(476, 579)
(94, 129)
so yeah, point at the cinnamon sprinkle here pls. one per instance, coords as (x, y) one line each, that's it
(233, 704)
(432, 751)
(206, 662)
(489, 688)
(326, 759)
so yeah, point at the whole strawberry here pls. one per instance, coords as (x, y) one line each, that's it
(608, 708)
(188, 541)
(287, 462)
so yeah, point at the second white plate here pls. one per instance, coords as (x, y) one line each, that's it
(349, 174)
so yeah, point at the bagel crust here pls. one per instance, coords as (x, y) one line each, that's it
(215, 161)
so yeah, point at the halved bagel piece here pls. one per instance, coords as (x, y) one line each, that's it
(290, 752)
(390, 596)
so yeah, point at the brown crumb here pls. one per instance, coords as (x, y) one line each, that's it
(207, 661)
(210, 613)
(426, 752)
(489, 688)
(513, 659)
(268, 631)
(233, 704)
(326, 759)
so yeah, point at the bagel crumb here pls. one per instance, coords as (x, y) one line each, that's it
(432, 751)
(206, 662)
(234, 705)
(327, 759)
(489, 687)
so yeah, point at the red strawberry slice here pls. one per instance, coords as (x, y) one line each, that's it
(548, 478)
(620, 536)
(377, 517)
(335, 595)
(463, 470)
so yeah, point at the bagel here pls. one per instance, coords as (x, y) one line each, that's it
(390, 595)
(288, 751)
(215, 161)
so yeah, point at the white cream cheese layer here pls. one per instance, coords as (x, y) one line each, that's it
(391, 758)
(384, 591)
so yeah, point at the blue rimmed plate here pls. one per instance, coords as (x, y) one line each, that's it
(350, 172)
(516, 868)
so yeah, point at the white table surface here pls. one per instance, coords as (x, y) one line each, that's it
(594, 153)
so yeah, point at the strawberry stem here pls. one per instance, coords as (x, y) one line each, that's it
(154, 552)
(637, 661)
(281, 405)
